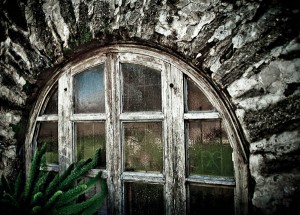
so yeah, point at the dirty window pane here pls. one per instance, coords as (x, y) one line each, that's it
(143, 146)
(196, 100)
(209, 149)
(96, 189)
(89, 92)
(52, 107)
(144, 199)
(48, 134)
(90, 136)
(141, 88)
(211, 200)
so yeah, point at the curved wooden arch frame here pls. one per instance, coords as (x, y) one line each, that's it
(211, 91)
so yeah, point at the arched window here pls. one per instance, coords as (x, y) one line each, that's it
(168, 140)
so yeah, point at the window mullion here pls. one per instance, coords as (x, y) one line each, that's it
(65, 140)
(178, 140)
(174, 134)
(113, 143)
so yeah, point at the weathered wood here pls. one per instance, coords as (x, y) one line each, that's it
(211, 180)
(65, 139)
(172, 116)
(143, 177)
(141, 116)
(88, 117)
(52, 117)
(202, 115)
(113, 134)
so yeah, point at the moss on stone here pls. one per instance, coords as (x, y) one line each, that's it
(273, 119)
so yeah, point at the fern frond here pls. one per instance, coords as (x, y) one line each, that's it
(34, 171)
(19, 186)
(36, 198)
(50, 203)
(71, 195)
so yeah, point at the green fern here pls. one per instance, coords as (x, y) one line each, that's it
(42, 193)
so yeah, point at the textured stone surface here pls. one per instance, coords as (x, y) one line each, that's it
(249, 49)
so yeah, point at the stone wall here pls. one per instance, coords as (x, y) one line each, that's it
(250, 49)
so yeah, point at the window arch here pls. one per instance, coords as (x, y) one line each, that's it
(162, 127)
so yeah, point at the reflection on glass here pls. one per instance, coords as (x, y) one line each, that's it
(52, 105)
(89, 93)
(90, 136)
(96, 189)
(211, 200)
(141, 88)
(48, 134)
(144, 199)
(143, 146)
(209, 149)
(196, 100)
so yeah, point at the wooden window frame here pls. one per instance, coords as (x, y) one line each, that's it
(173, 72)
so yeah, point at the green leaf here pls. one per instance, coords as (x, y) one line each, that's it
(36, 209)
(41, 182)
(36, 198)
(19, 186)
(71, 195)
(98, 200)
(34, 171)
(78, 172)
(94, 180)
(51, 202)
(52, 186)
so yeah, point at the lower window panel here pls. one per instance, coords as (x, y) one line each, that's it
(210, 200)
(143, 199)
(48, 135)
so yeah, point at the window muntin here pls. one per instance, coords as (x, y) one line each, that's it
(173, 143)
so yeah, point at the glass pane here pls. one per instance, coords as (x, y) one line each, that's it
(209, 150)
(141, 88)
(196, 100)
(90, 136)
(96, 189)
(89, 92)
(143, 146)
(48, 134)
(144, 199)
(211, 200)
(52, 107)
